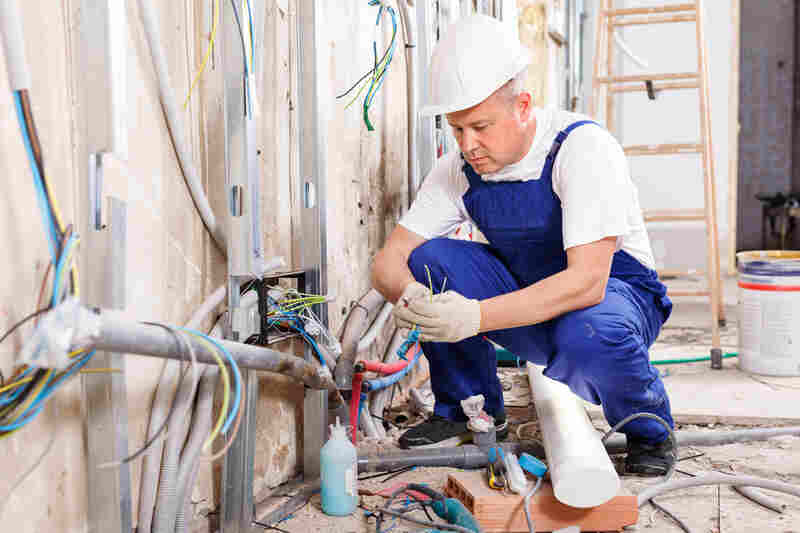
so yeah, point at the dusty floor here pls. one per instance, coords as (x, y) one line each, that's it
(704, 509)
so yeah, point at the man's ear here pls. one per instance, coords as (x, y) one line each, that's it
(524, 106)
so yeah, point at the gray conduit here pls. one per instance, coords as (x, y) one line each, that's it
(152, 458)
(377, 325)
(716, 479)
(19, 77)
(616, 444)
(407, 20)
(201, 427)
(117, 332)
(466, 456)
(355, 326)
(175, 126)
(470, 456)
(368, 424)
(760, 498)
(167, 503)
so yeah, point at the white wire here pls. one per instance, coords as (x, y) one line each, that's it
(636, 59)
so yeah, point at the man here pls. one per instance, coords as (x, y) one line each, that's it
(567, 278)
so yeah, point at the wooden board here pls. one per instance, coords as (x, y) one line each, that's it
(501, 512)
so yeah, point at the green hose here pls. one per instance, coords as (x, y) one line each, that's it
(691, 359)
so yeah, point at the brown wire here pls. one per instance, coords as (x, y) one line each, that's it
(236, 424)
(32, 133)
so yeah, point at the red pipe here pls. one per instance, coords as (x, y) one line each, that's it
(355, 399)
(389, 368)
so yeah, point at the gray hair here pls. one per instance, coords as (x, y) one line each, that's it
(514, 87)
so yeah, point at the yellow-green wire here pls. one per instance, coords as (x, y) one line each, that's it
(430, 281)
(207, 54)
(15, 384)
(378, 71)
(226, 390)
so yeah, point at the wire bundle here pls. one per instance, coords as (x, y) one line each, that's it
(373, 80)
(292, 311)
(24, 397)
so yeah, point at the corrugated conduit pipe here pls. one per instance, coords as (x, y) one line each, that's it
(167, 502)
(190, 463)
(175, 126)
(379, 398)
(354, 329)
(163, 399)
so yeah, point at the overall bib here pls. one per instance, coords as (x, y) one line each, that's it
(600, 352)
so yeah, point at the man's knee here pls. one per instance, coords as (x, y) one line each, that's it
(435, 254)
(591, 332)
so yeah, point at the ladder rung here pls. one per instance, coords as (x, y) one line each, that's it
(663, 149)
(670, 85)
(688, 293)
(649, 10)
(685, 17)
(668, 215)
(649, 77)
(667, 273)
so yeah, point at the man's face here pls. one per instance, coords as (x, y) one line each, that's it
(492, 134)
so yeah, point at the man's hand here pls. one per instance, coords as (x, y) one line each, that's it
(448, 317)
(413, 291)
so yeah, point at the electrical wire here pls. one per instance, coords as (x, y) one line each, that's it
(21, 322)
(207, 54)
(236, 374)
(232, 437)
(681, 523)
(658, 419)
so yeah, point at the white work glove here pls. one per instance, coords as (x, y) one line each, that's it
(413, 291)
(447, 317)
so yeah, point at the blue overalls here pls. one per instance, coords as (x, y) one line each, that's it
(600, 352)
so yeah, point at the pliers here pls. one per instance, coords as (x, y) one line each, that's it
(496, 469)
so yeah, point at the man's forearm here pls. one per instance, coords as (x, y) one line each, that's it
(390, 274)
(560, 293)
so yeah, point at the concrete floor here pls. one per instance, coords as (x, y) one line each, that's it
(703, 509)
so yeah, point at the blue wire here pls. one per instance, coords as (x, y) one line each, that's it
(252, 37)
(60, 267)
(296, 324)
(236, 374)
(49, 223)
(373, 90)
(48, 390)
(387, 381)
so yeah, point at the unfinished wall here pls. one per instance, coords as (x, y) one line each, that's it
(172, 263)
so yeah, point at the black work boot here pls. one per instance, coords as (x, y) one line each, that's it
(649, 459)
(437, 432)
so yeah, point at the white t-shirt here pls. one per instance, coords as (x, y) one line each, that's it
(590, 177)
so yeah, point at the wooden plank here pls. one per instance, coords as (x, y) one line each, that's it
(652, 77)
(670, 215)
(688, 17)
(664, 149)
(689, 293)
(641, 87)
(648, 10)
(500, 512)
(609, 69)
(667, 273)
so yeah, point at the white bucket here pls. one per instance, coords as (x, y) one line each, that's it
(769, 312)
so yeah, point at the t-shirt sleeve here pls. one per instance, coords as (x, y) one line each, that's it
(592, 181)
(435, 211)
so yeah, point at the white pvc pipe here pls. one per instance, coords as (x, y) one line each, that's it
(407, 20)
(14, 45)
(175, 126)
(580, 469)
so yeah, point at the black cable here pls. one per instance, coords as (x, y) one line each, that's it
(677, 520)
(21, 322)
(364, 76)
(267, 526)
(164, 424)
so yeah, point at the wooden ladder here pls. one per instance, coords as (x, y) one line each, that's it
(610, 85)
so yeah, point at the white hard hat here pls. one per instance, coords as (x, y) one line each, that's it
(474, 58)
